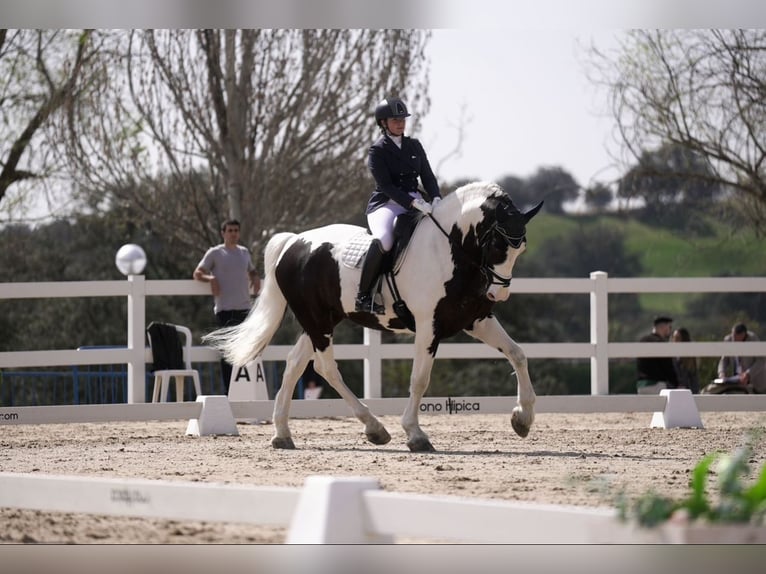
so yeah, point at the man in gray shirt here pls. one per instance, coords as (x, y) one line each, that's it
(229, 269)
(751, 371)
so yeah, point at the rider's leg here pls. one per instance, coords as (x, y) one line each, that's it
(365, 299)
(381, 223)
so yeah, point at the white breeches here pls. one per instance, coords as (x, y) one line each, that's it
(381, 222)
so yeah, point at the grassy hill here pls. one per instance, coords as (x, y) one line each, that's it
(666, 252)
(715, 249)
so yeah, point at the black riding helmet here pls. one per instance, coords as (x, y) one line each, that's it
(390, 108)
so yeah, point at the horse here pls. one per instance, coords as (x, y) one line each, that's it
(457, 266)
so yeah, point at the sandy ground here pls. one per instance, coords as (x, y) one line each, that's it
(579, 459)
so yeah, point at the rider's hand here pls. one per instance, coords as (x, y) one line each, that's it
(435, 201)
(421, 205)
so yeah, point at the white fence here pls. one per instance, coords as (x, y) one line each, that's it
(329, 510)
(599, 349)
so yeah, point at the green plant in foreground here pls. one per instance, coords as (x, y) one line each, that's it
(737, 502)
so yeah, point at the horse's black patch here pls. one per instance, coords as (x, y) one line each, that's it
(310, 282)
(465, 300)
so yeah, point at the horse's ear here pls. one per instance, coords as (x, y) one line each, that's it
(532, 212)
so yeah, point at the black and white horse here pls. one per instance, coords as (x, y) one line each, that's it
(457, 266)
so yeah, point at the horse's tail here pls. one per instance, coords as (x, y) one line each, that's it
(241, 343)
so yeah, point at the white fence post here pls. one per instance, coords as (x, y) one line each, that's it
(372, 364)
(136, 338)
(599, 334)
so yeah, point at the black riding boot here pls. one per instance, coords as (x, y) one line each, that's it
(365, 299)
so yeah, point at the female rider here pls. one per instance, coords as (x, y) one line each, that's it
(396, 162)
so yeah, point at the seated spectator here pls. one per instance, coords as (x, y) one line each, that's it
(751, 371)
(312, 390)
(686, 367)
(656, 373)
(312, 383)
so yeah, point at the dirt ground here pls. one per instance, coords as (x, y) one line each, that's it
(578, 459)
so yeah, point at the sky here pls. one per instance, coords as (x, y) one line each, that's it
(526, 104)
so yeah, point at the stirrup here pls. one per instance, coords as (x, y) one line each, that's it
(365, 303)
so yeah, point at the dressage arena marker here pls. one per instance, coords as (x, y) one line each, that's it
(348, 510)
(331, 511)
(680, 411)
(215, 418)
(248, 383)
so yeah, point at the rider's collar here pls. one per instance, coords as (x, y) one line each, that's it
(396, 139)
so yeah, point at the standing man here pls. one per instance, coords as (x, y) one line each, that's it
(229, 269)
(656, 373)
(751, 371)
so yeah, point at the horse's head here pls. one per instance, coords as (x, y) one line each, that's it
(502, 238)
(488, 235)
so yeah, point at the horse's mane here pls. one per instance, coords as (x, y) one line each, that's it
(473, 194)
(463, 205)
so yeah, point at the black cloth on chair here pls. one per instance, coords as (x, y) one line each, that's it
(167, 352)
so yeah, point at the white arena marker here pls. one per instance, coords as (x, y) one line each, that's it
(331, 510)
(215, 418)
(248, 383)
(680, 411)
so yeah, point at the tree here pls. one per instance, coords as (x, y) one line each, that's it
(703, 90)
(553, 184)
(268, 126)
(598, 196)
(40, 71)
(672, 174)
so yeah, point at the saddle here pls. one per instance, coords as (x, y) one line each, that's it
(354, 252)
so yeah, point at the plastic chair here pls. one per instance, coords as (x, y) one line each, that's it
(164, 341)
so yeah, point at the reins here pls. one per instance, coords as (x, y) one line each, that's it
(497, 279)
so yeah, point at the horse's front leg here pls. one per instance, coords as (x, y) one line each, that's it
(490, 331)
(417, 440)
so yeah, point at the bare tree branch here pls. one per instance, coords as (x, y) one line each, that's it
(269, 126)
(703, 90)
(38, 81)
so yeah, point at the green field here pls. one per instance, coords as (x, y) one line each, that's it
(665, 252)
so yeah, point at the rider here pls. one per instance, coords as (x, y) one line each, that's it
(395, 161)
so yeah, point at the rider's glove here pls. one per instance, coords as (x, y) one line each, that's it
(421, 205)
(435, 201)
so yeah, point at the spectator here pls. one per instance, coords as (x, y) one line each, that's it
(229, 269)
(751, 371)
(311, 382)
(656, 373)
(312, 390)
(687, 371)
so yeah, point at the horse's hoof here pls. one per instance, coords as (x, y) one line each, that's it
(521, 429)
(379, 437)
(279, 442)
(420, 445)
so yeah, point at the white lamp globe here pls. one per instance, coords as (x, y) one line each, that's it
(130, 259)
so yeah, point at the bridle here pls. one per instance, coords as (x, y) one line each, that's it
(490, 276)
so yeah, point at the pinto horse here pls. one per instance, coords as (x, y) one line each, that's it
(457, 266)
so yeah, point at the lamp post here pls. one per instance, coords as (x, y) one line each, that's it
(131, 260)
